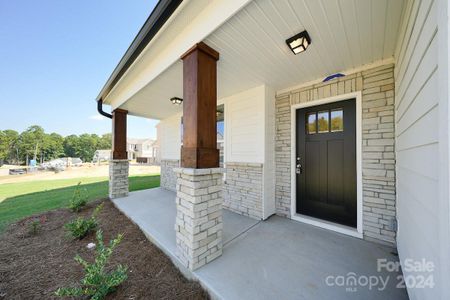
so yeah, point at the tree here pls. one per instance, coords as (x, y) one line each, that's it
(53, 146)
(87, 146)
(31, 141)
(34, 143)
(8, 144)
(71, 146)
(105, 142)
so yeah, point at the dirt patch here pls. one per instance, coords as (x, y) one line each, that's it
(33, 266)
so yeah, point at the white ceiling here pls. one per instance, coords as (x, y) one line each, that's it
(345, 34)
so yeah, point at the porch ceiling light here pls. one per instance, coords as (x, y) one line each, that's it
(299, 42)
(176, 100)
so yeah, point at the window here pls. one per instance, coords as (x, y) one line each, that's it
(181, 131)
(221, 131)
(337, 120)
(322, 121)
(325, 121)
(220, 122)
(311, 123)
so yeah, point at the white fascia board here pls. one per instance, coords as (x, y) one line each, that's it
(209, 19)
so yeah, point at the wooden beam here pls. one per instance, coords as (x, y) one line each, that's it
(199, 148)
(119, 134)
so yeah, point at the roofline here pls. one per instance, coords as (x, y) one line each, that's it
(159, 16)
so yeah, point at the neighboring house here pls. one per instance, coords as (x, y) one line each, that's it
(365, 154)
(143, 150)
(72, 161)
(101, 155)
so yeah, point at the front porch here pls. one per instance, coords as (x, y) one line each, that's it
(276, 258)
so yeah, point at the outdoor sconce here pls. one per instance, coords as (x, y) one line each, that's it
(299, 42)
(176, 100)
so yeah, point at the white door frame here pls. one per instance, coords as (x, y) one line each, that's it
(358, 232)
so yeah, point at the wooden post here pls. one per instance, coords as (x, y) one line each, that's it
(199, 148)
(119, 134)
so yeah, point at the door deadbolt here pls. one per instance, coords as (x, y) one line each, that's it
(298, 167)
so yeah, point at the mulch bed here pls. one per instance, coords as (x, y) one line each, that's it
(34, 266)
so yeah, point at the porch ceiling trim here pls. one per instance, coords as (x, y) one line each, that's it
(147, 67)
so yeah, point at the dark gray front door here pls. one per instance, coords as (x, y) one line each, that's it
(326, 162)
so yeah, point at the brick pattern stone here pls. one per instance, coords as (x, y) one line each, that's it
(118, 178)
(378, 145)
(199, 223)
(283, 156)
(243, 189)
(168, 177)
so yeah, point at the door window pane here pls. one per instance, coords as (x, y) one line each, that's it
(220, 115)
(337, 120)
(322, 121)
(311, 123)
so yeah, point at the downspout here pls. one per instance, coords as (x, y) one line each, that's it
(100, 109)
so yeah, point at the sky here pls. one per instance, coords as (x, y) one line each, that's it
(56, 55)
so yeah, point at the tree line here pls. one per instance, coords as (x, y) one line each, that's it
(35, 143)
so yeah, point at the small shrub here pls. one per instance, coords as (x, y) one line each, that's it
(80, 227)
(97, 283)
(34, 227)
(79, 198)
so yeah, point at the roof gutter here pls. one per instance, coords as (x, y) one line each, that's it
(159, 16)
(100, 109)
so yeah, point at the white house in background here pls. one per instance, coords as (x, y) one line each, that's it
(335, 114)
(142, 150)
(101, 155)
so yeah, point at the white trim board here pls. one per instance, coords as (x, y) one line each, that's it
(322, 223)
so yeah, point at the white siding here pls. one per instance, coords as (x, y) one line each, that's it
(170, 129)
(244, 133)
(249, 136)
(418, 143)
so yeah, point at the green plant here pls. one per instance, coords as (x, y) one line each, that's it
(80, 227)
(97, 283)
(34, 227)
(79, 198)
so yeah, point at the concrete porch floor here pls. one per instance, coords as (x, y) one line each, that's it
(277, 258)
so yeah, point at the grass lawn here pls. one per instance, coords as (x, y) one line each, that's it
(20, 200)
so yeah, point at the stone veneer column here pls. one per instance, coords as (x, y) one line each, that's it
(198, 223)
(118, 178)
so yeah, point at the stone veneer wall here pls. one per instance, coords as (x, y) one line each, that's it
(378, 153)
(118, 178)
(168, 178)
(243, 190)
(199, 223)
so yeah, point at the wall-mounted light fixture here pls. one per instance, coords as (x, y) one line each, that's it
(176, 100)
(299, 42)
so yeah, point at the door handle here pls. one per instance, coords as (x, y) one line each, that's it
(298, 167)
